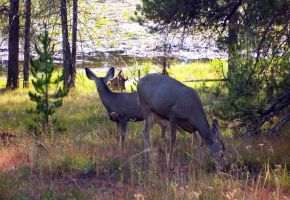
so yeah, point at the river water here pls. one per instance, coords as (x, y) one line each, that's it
(120, 42)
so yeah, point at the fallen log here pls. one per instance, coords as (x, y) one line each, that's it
(206, 80)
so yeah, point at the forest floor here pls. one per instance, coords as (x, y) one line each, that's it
(84, 161)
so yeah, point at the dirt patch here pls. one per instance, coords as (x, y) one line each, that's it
(12, 157)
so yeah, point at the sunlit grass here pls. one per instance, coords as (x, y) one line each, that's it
(84, 161)
(2, 81)
(215, 69)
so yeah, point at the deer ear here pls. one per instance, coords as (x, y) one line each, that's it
(110, 75)
(90, 74)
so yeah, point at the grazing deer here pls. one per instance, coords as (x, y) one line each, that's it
(118, 83)
(171, 100)
(121, 107)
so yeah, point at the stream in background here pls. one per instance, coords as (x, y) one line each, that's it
(120, 42)
(104, 60)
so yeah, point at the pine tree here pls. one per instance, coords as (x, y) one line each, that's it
(48, 93)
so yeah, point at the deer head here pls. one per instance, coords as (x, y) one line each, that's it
(118, 83)
(217, 148)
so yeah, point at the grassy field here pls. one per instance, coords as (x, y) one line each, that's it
(84, 162)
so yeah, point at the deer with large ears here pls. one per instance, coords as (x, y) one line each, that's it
(171, 100)
(118, 83)
(122, 107)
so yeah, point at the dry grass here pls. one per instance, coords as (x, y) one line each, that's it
(84, 162)
(91, 168)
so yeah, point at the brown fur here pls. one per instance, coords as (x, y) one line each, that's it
(118, 83)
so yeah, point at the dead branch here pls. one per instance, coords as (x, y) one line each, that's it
(205, 80)
(277, 128)
(280, 104)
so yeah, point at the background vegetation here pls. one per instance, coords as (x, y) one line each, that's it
(249, 92)
(255, 35)
(84, 162)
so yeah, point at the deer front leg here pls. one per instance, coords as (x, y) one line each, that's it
(172, 129)
(119, 133)
(123, 133)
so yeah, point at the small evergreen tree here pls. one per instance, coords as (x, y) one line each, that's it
(48, 93)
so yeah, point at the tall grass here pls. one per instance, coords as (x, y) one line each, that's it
(84, 162)
(92, 167)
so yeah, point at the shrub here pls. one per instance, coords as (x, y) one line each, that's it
(48, 93)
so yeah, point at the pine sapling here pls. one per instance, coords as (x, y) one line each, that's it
(48, 92)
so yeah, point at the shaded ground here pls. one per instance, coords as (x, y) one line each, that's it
(88, 168)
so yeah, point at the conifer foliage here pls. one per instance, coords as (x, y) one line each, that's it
(48, 92)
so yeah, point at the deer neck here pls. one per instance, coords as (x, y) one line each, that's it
(105, 94)
(202, 126)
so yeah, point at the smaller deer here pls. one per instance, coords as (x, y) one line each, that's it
(122, 107)
(118, 83)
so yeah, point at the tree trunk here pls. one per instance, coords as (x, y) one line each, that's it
(13, 46)
(232, 45)
(74, 42)
(27, 44)
(67, 64)
(165, 60)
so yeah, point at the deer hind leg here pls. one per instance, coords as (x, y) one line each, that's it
(147, 130)
(172, 130)
(146, 135)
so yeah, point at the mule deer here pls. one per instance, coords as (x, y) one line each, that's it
(171, 100)
(122, 107)
(118, 82)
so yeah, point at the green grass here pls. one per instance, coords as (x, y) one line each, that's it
(84, 162)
